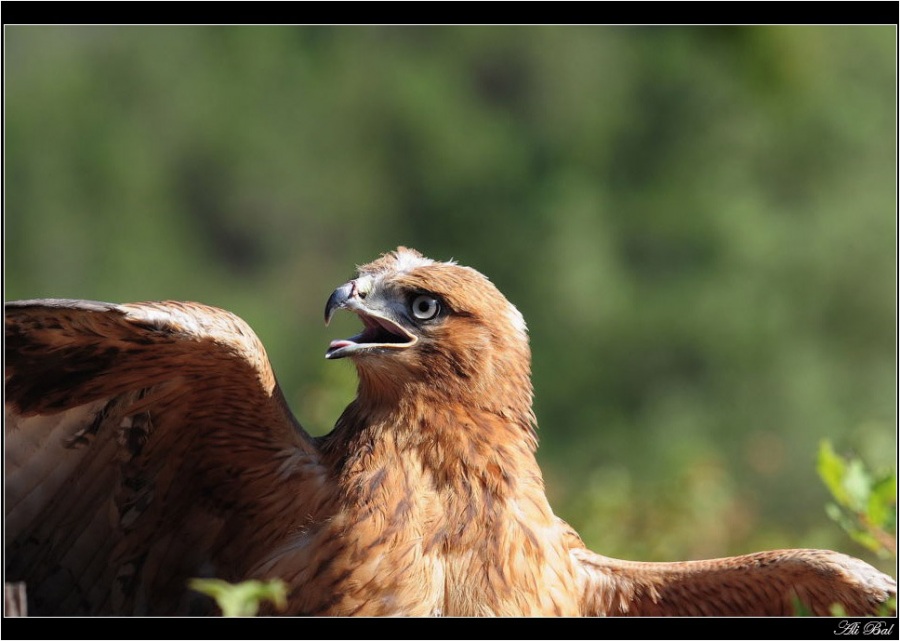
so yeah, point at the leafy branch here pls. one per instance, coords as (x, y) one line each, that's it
(865, 503)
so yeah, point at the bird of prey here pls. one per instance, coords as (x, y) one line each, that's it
(149, 443)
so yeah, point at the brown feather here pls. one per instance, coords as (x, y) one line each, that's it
(762, 584)
(150, 443)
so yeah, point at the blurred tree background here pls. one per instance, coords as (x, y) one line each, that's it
(699, 225)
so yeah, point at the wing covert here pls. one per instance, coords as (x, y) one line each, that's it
(145, 444)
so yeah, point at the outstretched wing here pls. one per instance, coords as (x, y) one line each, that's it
(145, 444)
(774, 583)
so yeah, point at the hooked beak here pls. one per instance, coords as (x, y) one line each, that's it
(339, 299)
(380, 331)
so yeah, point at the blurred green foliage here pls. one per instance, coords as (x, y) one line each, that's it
(242, 599)
(865, 502)
(698, 224)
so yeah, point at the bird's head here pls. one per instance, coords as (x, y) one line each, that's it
(437, 326)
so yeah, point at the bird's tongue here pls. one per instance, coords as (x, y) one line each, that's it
(377, 332)
(337, 344)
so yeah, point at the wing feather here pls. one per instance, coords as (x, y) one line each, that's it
(145, 444)
(762, 584)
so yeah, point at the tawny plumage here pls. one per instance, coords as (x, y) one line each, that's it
(149, 443)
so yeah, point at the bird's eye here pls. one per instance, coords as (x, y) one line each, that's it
(425, 307)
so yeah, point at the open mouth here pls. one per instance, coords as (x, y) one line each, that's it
(379, 333)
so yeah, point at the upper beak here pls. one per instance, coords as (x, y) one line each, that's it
(339, 298)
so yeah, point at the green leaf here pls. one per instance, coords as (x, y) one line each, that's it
(881, 507)
(857, 485)
(831, 469)
(799, 607)
(242, 599)
(835, 513)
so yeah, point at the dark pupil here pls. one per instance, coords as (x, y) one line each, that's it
(424, 306)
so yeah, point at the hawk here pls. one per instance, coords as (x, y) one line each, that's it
(150, 443)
